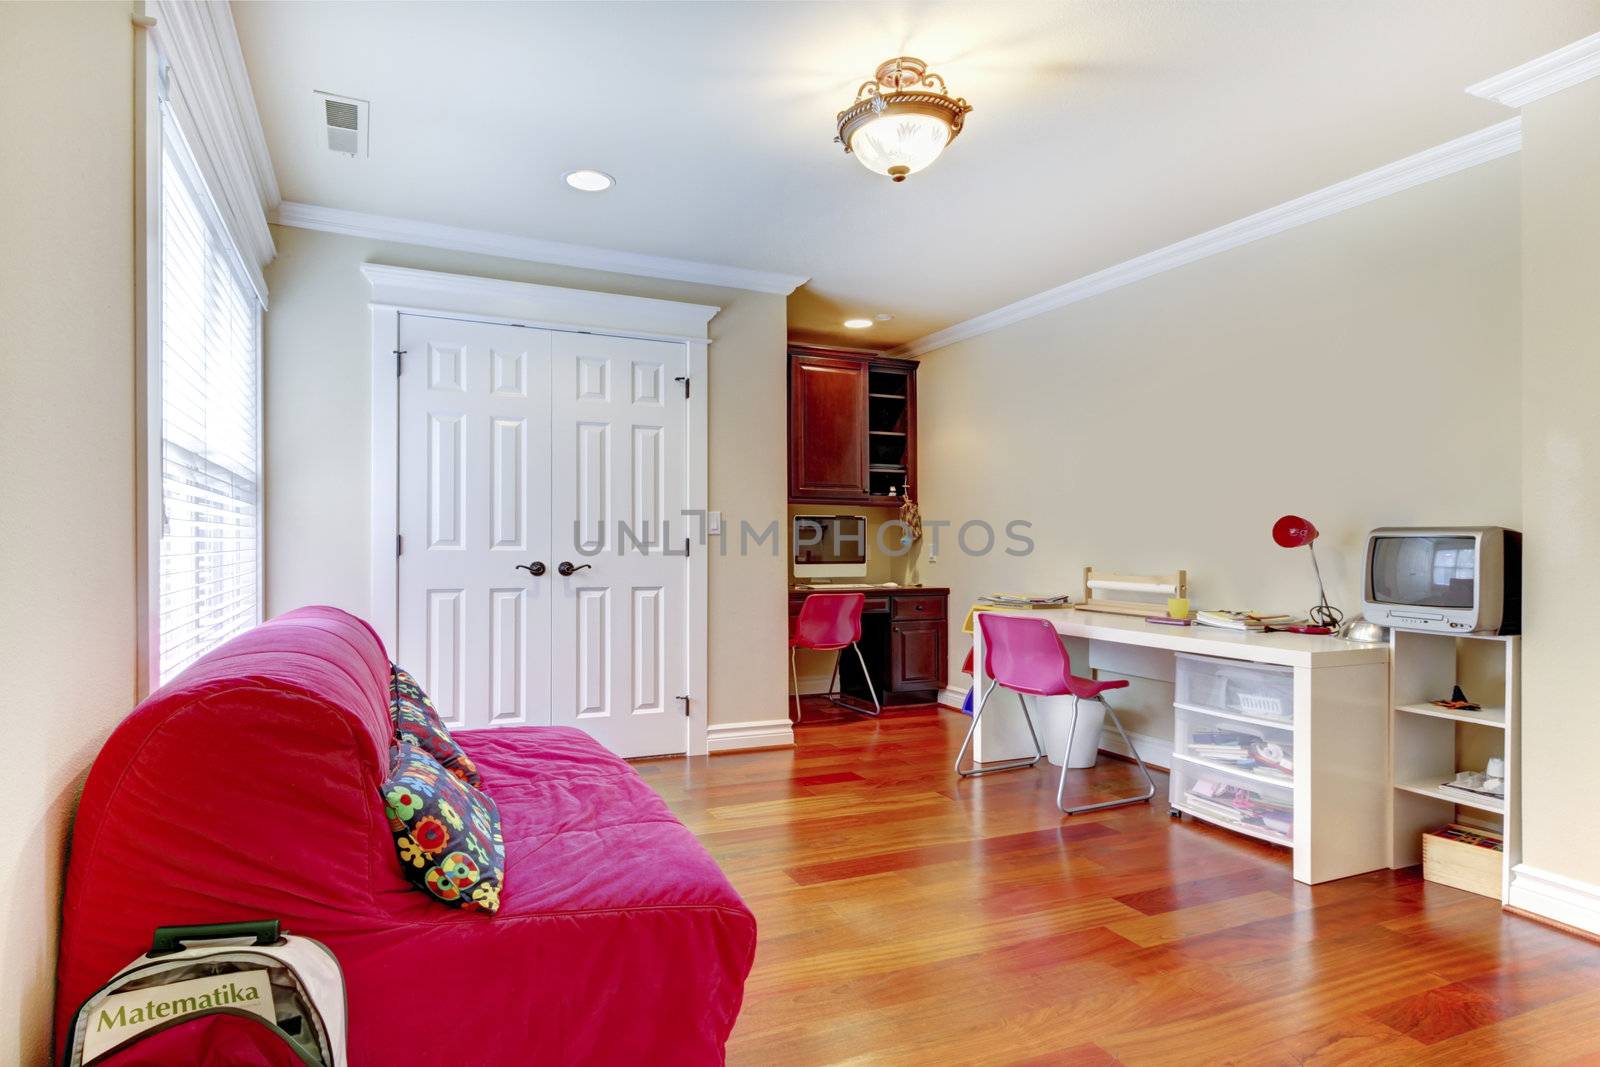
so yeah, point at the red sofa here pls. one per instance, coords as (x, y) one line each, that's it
(248, 788)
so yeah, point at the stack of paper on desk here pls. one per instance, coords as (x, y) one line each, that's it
(1022, 600)
(1241, 620)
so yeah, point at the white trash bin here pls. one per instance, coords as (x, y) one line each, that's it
(1055, 715)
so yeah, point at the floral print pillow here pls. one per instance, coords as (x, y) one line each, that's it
(417, 722)
(446, 831)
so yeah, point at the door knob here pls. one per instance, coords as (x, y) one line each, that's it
(536, 568)
(566, 570)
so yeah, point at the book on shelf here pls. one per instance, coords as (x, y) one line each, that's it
(1241, 620)
(1486, 839)
(1242, 749)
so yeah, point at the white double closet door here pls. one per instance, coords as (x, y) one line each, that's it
(520, 451)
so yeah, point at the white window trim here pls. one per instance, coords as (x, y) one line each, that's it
(148, 133)
(147, 348)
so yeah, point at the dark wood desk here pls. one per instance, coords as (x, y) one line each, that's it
(903, 639)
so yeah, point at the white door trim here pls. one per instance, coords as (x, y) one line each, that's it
(397, 290)
(546, 307)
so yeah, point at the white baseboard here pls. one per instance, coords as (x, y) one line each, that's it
(1156, 751)
(952, 698)
(761, 733)
(1556, 897)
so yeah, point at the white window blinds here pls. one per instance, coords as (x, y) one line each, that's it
(210, 411)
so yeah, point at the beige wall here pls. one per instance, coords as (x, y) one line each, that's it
(1561, 479)
(319, 409)
(66, 456)
(1373, 356)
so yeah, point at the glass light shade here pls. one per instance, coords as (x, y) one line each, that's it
(898, 145)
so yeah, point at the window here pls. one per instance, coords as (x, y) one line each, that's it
(207, 570)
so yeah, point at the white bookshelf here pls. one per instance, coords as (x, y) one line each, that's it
(1429, 744)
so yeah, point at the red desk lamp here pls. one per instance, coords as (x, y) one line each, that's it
(1292, 531)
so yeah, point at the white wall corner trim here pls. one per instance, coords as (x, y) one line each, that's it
(1565, 67)
(530, 249)
(1501, 139)
(760, 733)
(1556, 897)
(526, 304)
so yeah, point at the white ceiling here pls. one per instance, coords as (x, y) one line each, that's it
(1101, 130)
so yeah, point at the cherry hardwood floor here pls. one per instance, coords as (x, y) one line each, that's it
(910, 918)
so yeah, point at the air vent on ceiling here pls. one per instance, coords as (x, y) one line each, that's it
(344, 122)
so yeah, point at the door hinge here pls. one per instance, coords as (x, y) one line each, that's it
(399, 544)
(398, 360)
(685, 699)
(685, 382)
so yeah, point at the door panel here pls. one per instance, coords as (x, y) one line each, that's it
(474, 425)
(620, 484)
(508, 656)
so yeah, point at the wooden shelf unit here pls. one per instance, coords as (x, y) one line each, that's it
(1429, 744)
(852, 427)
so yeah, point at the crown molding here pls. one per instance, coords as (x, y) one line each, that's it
(1501, 139)
(1578, 61)
(529, 249)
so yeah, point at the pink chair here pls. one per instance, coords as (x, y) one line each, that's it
(1026, 656)
(828, 622)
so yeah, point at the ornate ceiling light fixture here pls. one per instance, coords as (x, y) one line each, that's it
(902, 119)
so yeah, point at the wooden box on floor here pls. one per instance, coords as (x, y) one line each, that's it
(1461, 864)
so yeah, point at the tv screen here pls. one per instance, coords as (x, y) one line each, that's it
(1421, 571)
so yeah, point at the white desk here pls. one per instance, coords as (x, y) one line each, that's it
(1340, 722)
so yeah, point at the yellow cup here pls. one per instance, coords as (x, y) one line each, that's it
(1178, 607)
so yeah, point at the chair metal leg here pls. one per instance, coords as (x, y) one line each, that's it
(1066, 758)
(877, 707)
(833, 679)
(794, 673)
(1006, 765)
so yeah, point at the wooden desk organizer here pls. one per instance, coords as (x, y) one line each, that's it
(1167, 585)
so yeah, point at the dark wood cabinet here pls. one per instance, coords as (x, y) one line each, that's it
(827, 428)
(904, 642)
(852, 427)
(916, 658)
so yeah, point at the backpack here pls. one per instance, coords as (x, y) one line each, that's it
(223, 995)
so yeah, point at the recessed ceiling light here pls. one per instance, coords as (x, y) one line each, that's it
(590, 181)
(883, 317)
(857, 324)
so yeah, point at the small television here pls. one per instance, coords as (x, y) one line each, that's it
(1445, 579)
(830, 546)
